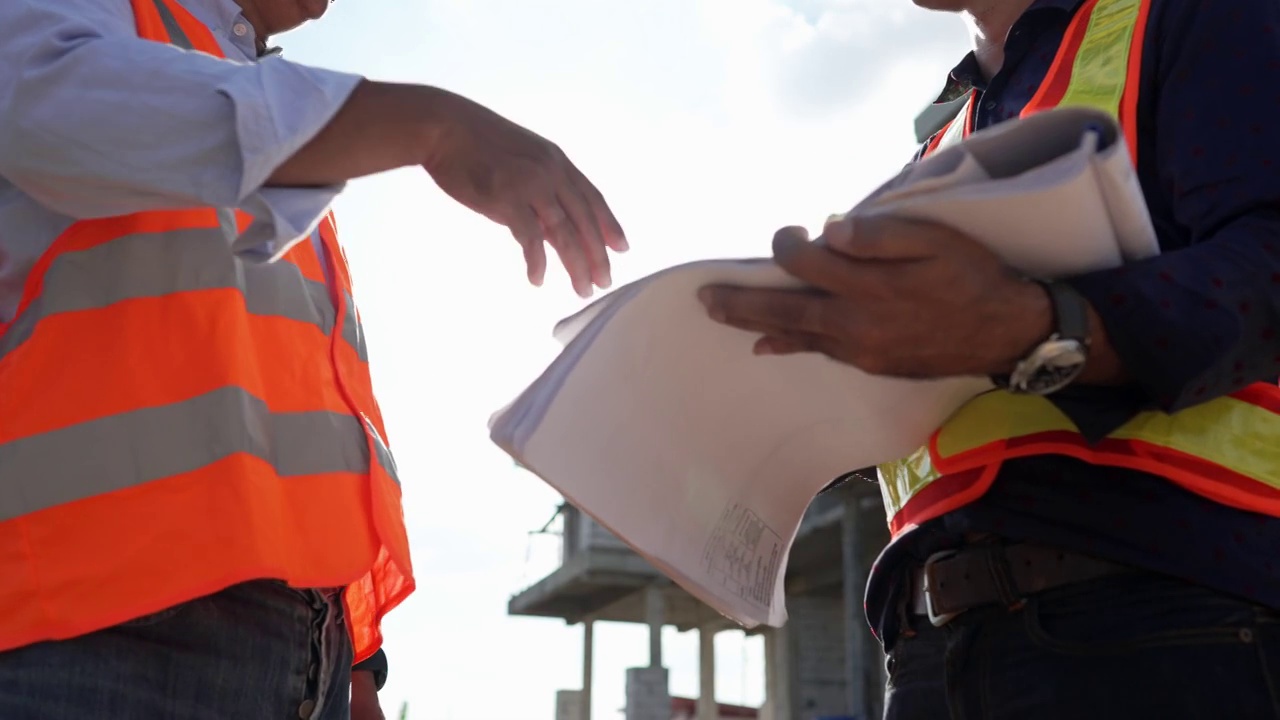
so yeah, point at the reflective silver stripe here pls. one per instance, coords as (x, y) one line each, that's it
(158, 264)
(352, 330)
(132, 448)
(385, 459)
(177, 37)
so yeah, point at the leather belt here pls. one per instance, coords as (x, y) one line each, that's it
(954, 581)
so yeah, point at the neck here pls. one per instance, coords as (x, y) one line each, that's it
(989, 21)
(254, 16)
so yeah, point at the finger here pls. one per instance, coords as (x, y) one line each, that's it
(587, 235)
(769, 311)
(559, 231)
(791, 344)
(610, 228)
(819, 265)
(792, 232)
(528, 232)
(837, 232)
(884, 238)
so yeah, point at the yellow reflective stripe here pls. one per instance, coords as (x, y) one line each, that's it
(1098, 78)
(997, 415)
(1234, 434)
(1228, 432)
(902, 479)
(1101, 66)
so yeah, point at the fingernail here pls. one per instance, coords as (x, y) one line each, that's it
(623, 245)
(764, 346)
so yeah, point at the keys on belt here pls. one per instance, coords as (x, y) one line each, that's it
(952, 582)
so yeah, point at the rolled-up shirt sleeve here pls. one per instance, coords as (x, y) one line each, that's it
(99, 123)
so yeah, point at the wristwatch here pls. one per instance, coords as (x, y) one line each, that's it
(1058, 361)
(376, 664)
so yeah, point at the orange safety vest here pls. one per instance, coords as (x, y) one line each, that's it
(177, 420)
(1227, 449)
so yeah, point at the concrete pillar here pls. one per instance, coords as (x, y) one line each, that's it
(814, 645)
(777, 675)
(655, 615)
(568, 705)
(857, 635)
(648, 696)
(708, 708)
(588, 663)
(863, 535)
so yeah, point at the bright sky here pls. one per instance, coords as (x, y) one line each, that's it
(708, 124)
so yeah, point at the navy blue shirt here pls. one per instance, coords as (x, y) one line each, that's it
(1199, 321)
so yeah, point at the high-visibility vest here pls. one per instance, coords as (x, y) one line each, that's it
(1226, 449)
(177, 420)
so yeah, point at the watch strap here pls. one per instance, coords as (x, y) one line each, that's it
(1070, 319)
(1070, 311)
(376, 664)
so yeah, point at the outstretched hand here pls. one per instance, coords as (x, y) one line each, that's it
(523, 181)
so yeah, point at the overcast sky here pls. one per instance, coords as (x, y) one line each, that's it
(708, 124)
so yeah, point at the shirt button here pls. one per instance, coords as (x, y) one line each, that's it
(240, 29)
(307, 707)
(991, 105)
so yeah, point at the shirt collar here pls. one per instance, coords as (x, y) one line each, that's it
(966, 75)
(223, 17)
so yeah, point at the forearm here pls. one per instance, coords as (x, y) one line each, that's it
(382, 126)
(1105, 367)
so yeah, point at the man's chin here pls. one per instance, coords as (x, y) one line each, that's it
(314, 9)
(942, 5)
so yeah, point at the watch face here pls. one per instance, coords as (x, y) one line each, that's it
(1051, 367)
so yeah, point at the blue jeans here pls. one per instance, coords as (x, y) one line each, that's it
(257, 651)
(1124, 647)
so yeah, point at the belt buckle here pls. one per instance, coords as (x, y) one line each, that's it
(935, 618)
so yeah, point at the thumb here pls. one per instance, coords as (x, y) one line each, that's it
(791, 233)
(879, 238)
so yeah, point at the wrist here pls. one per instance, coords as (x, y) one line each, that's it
(433, 109)
(1105, 368)
(1029, 323)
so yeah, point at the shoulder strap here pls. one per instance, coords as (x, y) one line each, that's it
(167, 21)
